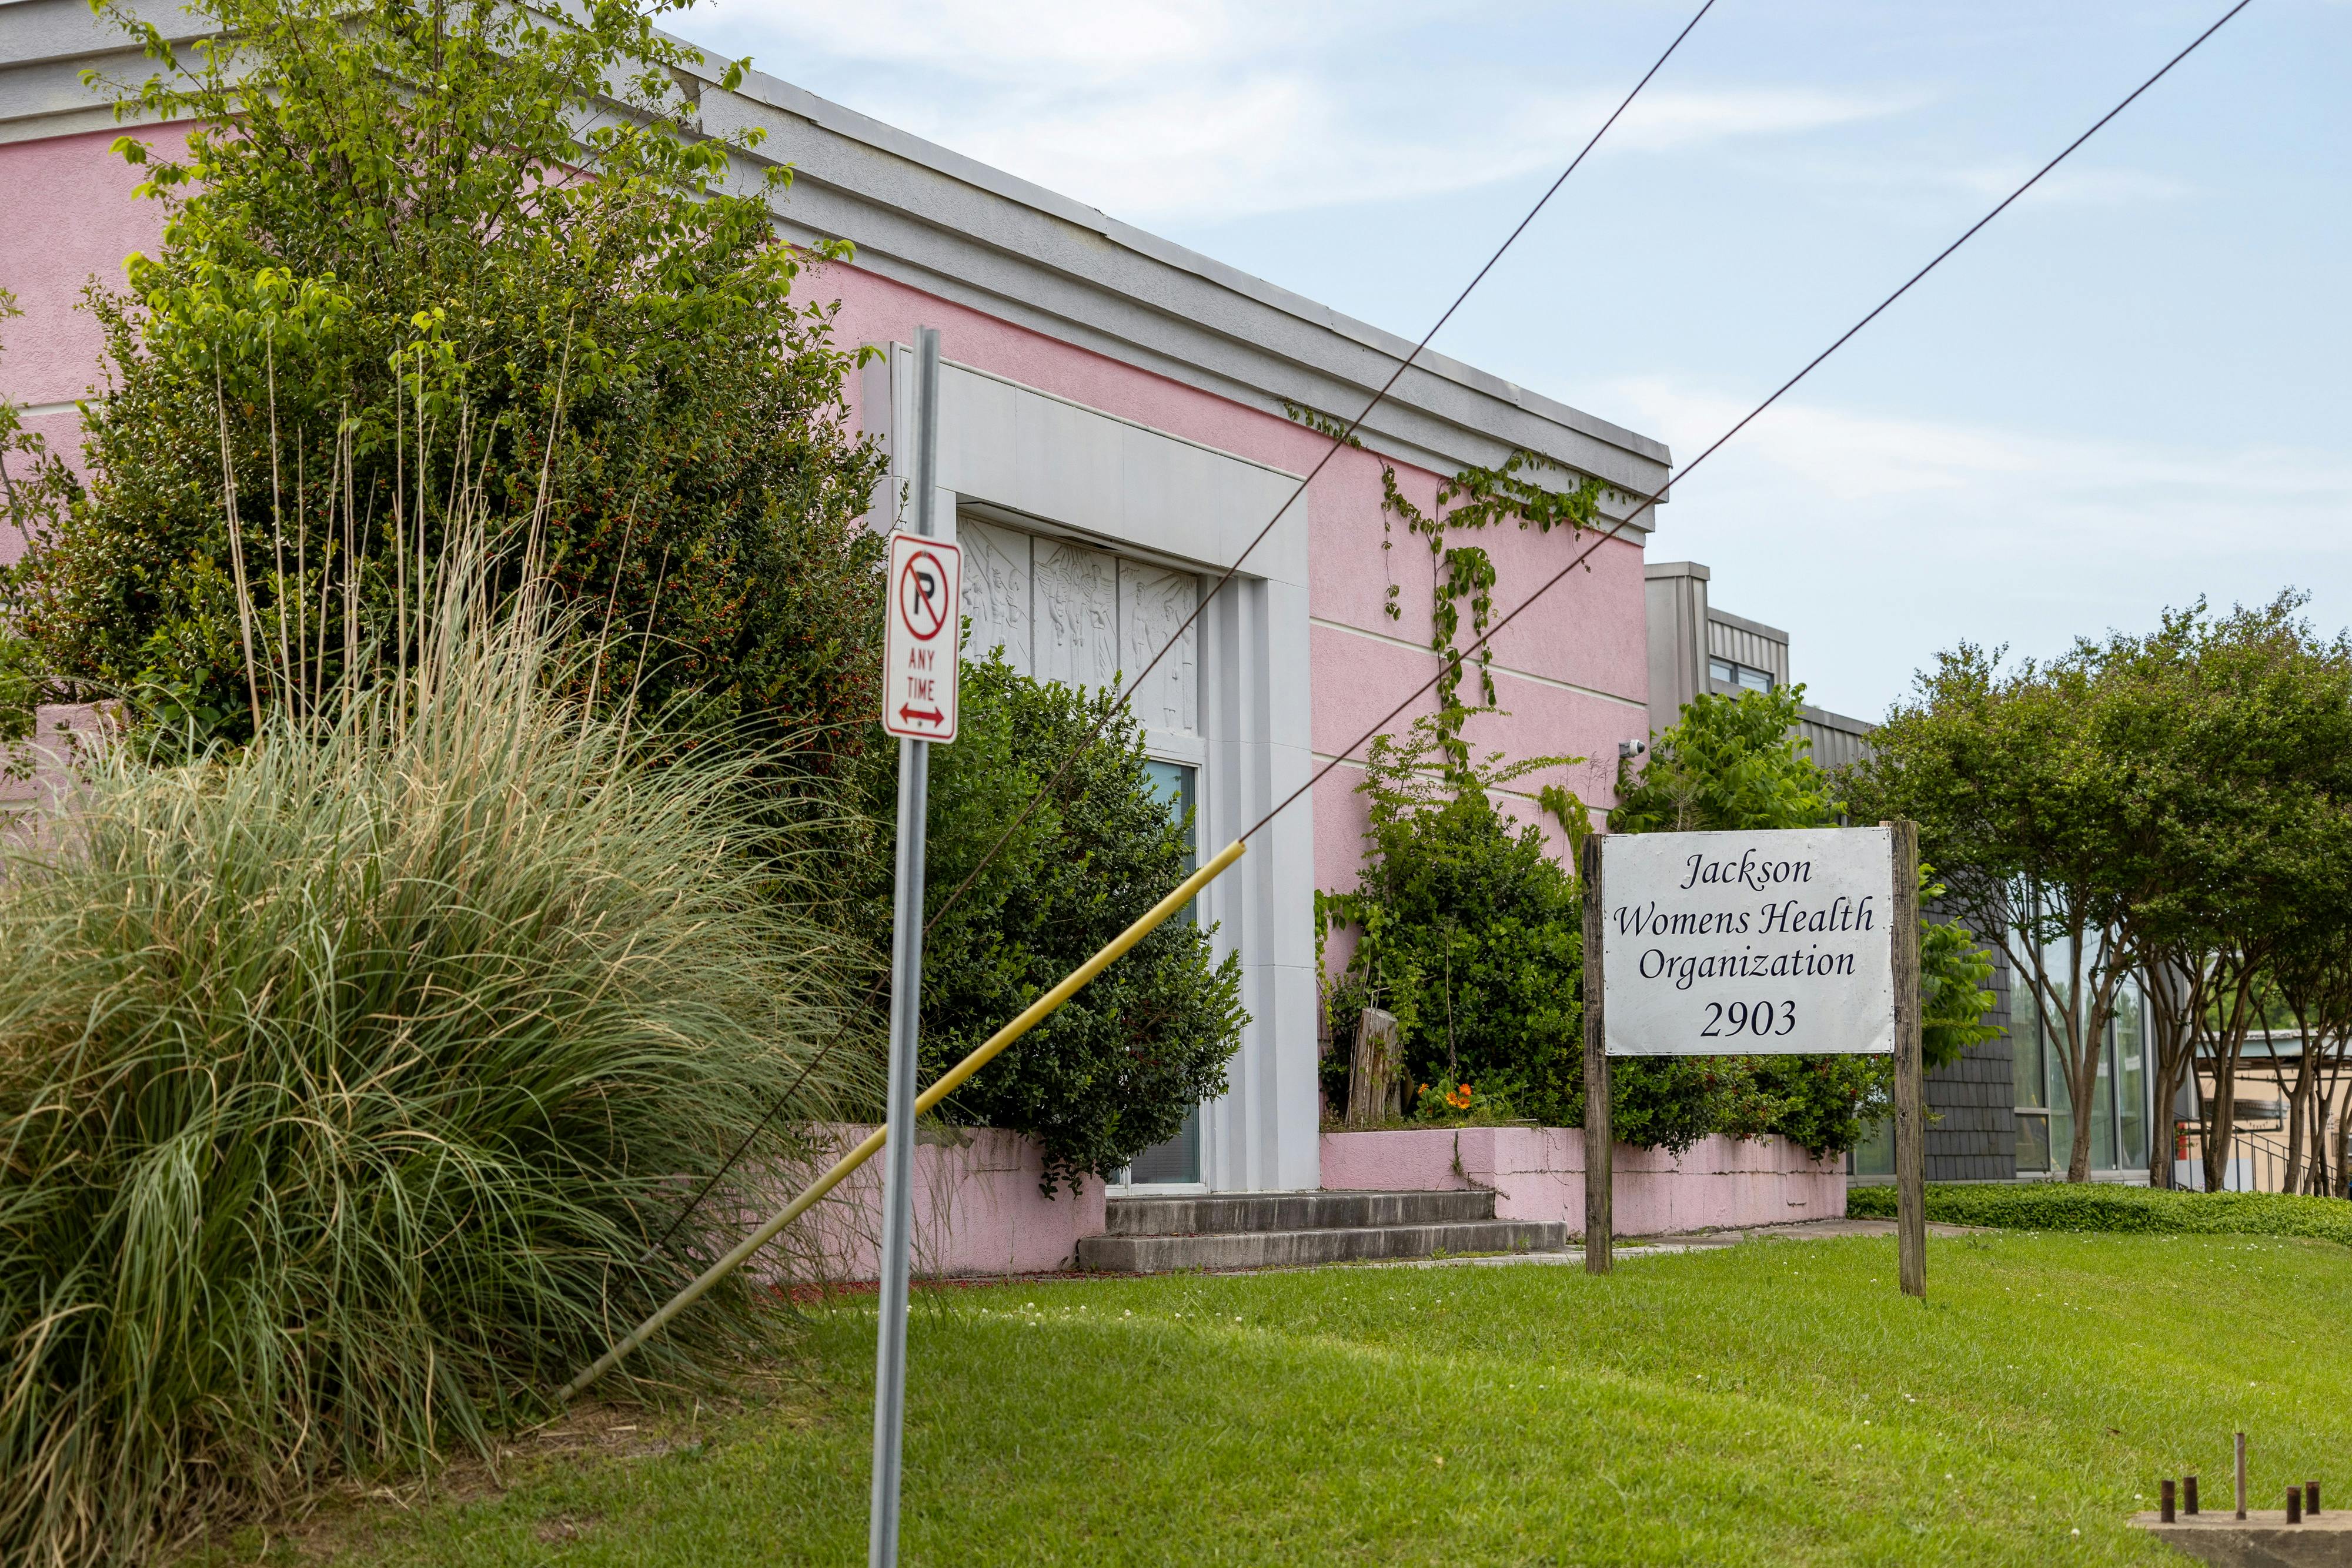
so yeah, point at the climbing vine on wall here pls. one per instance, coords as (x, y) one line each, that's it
(1474, 499)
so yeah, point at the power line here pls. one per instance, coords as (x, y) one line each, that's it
(1744, 419)
(1128, 690)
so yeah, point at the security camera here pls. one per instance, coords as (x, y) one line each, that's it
(1629, 749)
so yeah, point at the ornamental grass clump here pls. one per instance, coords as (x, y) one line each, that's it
(345, 1079)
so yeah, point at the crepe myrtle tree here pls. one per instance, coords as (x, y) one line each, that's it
(2173, 805)
(2032, 828)
(2237, 732)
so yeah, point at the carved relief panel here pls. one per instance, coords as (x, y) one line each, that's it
(996, 591)
(1064, 611)
(1152, 605)
(1076, 594)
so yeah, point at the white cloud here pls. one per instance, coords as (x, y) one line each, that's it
(2156, 491)
(2073, 187)
(1280, 142)
(1170, 110)
(1024, 40)
(1877, 538)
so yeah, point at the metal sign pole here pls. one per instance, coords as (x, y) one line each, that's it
(905, 1012)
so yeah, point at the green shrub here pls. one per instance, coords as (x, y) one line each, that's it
(1124, 1061)
(2099, 1206)
(1466, 929)
(343, 1080)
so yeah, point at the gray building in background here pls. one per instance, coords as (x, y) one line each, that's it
(1694, 647)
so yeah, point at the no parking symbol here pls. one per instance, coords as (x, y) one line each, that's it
(918, 669)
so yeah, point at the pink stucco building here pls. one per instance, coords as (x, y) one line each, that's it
(1113, 435)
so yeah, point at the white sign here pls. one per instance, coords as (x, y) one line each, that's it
(919, 653)
(1748, 943)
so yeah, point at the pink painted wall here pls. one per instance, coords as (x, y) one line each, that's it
(1571, 673)
(70, 218)
(1538, 1172)
(978, 1210)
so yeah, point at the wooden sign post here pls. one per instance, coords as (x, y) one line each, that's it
(1599, 1140)
(1796, 942)
(1910, 1069)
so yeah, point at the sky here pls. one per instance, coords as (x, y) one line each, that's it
(2133, 390)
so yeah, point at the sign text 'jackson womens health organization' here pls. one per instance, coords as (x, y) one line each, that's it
(1749, 942)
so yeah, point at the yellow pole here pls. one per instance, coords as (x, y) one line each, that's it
(1031, 1017)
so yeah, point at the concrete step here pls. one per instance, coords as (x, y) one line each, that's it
(1131, 1254)
(1224, 1214)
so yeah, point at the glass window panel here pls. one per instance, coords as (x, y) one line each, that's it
(2025, 1034)
(2131, 1074)
(2032, 1142)
(1177, 1161)
(1874, 1155)
(2103, 1107)
(1755, 680)
(2057, 1095)
(1172, 782)
(1721, 670)
(2062, 1118)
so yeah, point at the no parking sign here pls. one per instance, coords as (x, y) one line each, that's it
(918, 668)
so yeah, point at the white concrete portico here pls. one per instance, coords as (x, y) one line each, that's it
(1087, 539)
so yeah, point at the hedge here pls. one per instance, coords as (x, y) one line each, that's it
(2067, 1206)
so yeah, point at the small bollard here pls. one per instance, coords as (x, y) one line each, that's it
(2311, 1499)
(2241, 1475)
(2164, 1502)
(2294, 1504)
(2188, 1494)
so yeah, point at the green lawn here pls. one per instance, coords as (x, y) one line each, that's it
(1773, 1403)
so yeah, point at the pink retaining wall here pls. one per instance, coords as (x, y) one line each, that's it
(36, 774)
(978, 1210)
(1538, 1172)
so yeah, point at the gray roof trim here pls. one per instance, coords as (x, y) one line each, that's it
(1828, 720)
(1769, 633)
(938, 221)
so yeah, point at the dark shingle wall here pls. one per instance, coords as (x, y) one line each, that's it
(1971, 1105)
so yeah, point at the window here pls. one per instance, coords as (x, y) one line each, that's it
(1747, 677)
(2029, 1072)
(1874, 1155)
(2045, 1113)
(2126, 1046)
(1176, 1162)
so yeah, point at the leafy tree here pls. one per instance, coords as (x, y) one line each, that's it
(1124, 1061)
(2235, 730)
(1726, 763)
(2032, 831)
(423, 250)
